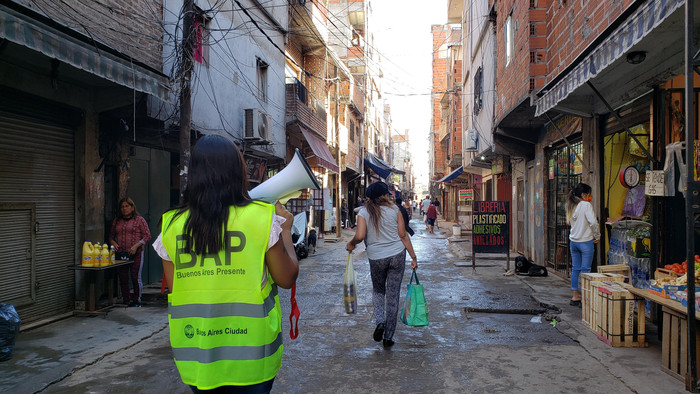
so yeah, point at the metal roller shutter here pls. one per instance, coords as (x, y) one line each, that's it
(37, 177)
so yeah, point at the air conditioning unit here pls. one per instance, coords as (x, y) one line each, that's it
(471, 141)
(257, 124)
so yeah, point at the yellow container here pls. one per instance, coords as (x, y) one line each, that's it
(88, 255)
(97, 255)
(105, 256)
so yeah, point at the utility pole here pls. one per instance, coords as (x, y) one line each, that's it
(338, 196)
(186, 93)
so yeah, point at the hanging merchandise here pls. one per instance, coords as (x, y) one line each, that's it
(642, 137)
(674, 153)
(634, 202)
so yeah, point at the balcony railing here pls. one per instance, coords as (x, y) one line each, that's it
(298, 109)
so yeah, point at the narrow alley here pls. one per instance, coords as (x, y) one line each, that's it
(462, 351)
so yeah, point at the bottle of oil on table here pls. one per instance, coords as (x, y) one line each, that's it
(105, 255)
(88, 255)
(97, 259)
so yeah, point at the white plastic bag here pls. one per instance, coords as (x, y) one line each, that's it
(350, 287)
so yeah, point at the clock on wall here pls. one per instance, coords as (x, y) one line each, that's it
(629, 177)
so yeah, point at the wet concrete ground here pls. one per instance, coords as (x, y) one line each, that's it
(480, 339)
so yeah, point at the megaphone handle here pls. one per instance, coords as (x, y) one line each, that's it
(294, 326)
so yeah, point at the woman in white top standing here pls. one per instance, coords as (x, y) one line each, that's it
(584, 233)
(387, 243)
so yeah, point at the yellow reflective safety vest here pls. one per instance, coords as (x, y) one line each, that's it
(225, 318)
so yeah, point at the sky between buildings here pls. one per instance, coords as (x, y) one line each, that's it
(404, 41)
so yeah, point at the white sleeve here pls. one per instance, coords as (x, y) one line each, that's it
(160, 249)
(592, 221)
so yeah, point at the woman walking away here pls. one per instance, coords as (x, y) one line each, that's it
(387, 242)
(431, 216)
(224, 256)
(129, 233)
(584, 233)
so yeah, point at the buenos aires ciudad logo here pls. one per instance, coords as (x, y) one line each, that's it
(189, 331)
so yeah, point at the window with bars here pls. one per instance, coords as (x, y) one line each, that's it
(351, 130)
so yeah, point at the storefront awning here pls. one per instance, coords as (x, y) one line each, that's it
(452, 175)
(379, 166)
(629, 33)
(323, 157)
(57, 44)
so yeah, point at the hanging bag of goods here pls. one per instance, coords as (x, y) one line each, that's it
(350, 287)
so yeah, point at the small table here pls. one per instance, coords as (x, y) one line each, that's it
(91, 273)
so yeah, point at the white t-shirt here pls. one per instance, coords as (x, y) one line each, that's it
(425, 204)
(385, 242)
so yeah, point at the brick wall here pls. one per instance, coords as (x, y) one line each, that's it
(131, 27)
(456, 110)
(440, 34)
(294, 51)
(316, 86)
(526, 71)
(573, 25)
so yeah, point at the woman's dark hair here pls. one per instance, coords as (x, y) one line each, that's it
(575, 197)
(373, 206)
(130, 202)
(217, 180)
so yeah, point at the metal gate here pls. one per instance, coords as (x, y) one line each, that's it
(37, 212)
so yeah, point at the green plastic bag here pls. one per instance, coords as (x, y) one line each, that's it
(415, 310)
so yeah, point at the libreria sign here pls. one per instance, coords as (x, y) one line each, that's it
(490, 226)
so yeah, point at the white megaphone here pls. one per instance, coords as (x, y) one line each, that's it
(287, 183)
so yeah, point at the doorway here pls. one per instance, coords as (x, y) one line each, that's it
(149, 187)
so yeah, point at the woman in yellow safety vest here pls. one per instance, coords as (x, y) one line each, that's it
(224, 256)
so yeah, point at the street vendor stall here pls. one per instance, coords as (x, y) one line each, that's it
(674, 341)
(91, 277)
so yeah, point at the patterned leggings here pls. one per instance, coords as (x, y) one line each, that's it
(387, 275)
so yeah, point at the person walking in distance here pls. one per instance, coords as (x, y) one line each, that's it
(424, 208)
(224, 255)
(431, 217)
(129, 233)
(436, 202)
(380, 222)
(585, 232)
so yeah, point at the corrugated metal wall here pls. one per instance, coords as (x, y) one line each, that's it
(37, 161)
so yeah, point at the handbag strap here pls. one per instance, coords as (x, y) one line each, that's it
(414, 275)
(294, 326)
